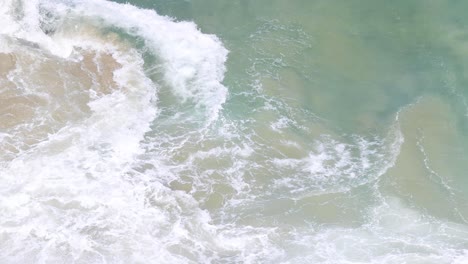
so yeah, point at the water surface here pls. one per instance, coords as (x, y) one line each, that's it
(202, 131)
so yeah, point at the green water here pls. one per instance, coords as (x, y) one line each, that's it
(352, 65)
(343, 137)
(341, 70)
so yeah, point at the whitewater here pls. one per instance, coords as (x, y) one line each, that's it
(129, 136)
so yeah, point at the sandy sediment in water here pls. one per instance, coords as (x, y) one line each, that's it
(41, 93)
(7, 63)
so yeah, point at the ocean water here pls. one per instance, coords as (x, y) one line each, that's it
(233, 131)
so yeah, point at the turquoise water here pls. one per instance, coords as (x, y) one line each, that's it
(202, 131)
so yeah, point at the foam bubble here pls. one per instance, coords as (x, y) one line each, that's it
(75, 194)
(111, 181)
(395, 233)
(193, 62)
(336, 166)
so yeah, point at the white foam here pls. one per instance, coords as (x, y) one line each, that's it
(91, 193)
(335, 166)
(71, 184)
(75, 196)
(395, 233)
(193, 62)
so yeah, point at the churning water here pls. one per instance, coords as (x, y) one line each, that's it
(332, 132)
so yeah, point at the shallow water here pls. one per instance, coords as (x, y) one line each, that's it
(261, 132)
